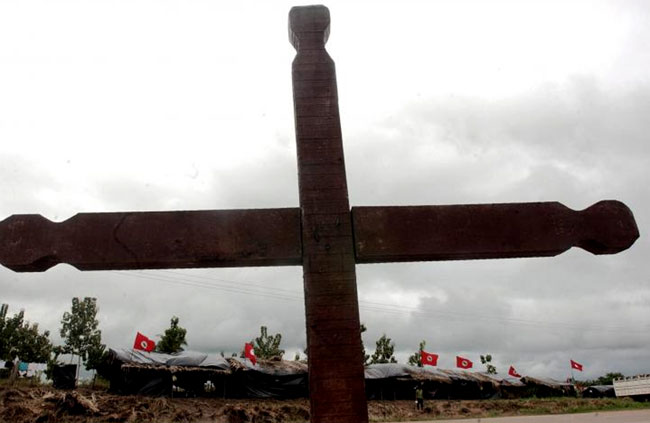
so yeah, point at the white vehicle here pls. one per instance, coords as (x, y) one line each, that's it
(637, 387)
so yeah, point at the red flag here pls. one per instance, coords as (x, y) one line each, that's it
(428, 359)
(249, 353)
(512, 372)
(143, 343)
(463, 363)
(576, 365)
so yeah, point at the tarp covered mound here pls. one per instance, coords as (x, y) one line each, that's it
(546, 387)
(512, 387)
(599, 391)
(388, 381)
(385, 371)
(471, 385)
(275, 367)
(199, 374)
(429, 373)
(268, 378)
(185, 358)
(150, 373)
(398, 381)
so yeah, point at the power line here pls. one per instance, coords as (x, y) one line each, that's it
(226, 288)
(255, 289)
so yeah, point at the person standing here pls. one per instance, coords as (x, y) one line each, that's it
(419, 397)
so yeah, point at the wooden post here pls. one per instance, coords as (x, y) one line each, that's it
(336, 375)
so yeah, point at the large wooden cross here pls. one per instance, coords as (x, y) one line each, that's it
(323, 235)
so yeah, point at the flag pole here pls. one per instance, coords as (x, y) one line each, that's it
(133, 349)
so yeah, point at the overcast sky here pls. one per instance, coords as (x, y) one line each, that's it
(172, 105)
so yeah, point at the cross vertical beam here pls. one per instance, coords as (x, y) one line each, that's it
(336, 374)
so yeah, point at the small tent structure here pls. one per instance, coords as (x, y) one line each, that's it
(269, 378)
(546, 387)
(398, 382)
(599, 391)
(149, 373)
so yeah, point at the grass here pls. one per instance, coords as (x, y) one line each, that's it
(586, 405)
(565, 405)
(20, 382)
(476, 409)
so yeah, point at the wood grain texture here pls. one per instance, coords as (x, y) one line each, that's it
(153, 240)
(462, 232)
(336, 382)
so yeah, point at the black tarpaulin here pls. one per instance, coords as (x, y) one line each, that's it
(270, 378)
(64, 376)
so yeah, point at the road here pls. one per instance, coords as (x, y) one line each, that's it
(635, 416)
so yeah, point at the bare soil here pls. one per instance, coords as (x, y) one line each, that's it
(44, 405)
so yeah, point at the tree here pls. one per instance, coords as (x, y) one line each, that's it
(487, 360)
(266, 346)
(80, 334)
(21, 339)
(97, 358)
(608, 379)
(365, 356)
(384, 351)
(416, 358)
(173, 339)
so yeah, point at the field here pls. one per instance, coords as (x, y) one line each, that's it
(22, 404)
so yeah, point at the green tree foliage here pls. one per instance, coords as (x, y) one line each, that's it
(487, 360)
(384, 351)
(19, 338)
(607, 379)
(80, 334)
(416, 358)
(267, 346)
(366, 357)
(173, 339)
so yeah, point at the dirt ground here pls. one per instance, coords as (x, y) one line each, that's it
(44, 404)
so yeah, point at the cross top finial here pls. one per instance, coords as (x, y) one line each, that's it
(309, 27)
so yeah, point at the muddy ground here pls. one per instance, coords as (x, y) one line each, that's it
(45, 404)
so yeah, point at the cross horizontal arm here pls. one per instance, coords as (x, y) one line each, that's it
(153, 240)
(460, 232)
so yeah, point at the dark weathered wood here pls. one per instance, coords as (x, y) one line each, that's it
(153, 240)
(460, 232)
(336, 380)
